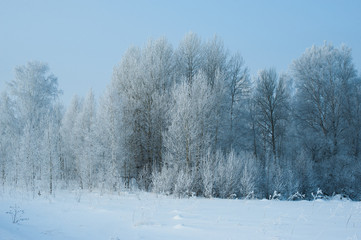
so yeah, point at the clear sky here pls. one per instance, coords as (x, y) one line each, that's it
(83, 40)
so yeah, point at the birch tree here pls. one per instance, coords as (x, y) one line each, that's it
(85, 145)
(9, 135)
(69, 139)
(33, 91)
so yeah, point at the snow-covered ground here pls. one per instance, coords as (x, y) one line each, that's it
(148, 216)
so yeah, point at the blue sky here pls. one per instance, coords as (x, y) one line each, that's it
(83, 40)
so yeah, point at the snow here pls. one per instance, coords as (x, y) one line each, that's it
(148, 216)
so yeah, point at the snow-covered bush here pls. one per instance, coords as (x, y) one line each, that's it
(318, 195)
(163, 181)
(228, 174)
(207, 175)
(275, 196)
(340, 197)
(250, 195)
(183, 184)
(249, 175)
(296, 196)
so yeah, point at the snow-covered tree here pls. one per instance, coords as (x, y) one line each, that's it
(51, 156)
(327, 113)
(189, 136)
(214, 59)
(69, 139)
(323, 79)
(85, 143)
(111, 134)
(34, 91)
(142, 80)
(9, 134)
(270, 109)
(189, 56)
(237, 92)
(271, 101)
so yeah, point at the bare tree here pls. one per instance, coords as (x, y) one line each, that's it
(271, 109)
(237, 91)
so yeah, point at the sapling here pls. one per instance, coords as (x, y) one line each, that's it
(16, 214)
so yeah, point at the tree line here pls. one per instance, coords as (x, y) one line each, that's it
(187, 121)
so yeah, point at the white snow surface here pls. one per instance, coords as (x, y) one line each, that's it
(149, 216)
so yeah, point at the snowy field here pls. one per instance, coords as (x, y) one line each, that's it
(148, 216)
